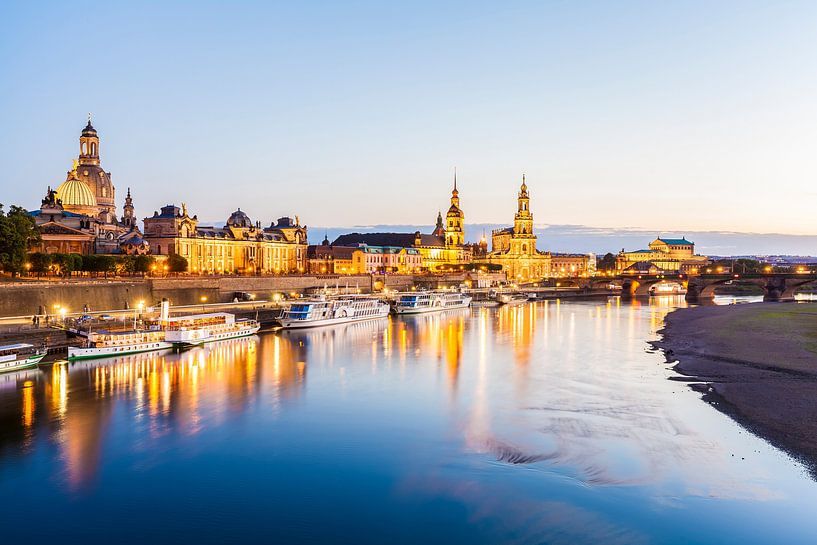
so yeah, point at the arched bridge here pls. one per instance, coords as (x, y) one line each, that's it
(775, 286)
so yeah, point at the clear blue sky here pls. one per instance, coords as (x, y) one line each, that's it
(663, 115)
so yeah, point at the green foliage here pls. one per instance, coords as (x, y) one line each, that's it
(18, 234)
(143, 263)
(126, 264)
(606, 263)
(177, 263)
(40, 263)
(70, 263)
(740, 266)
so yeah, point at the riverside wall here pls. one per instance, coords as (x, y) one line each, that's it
(25, 298)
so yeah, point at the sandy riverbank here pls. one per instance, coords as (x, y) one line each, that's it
(757, 363)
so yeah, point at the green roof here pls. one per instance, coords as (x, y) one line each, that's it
(675, 241)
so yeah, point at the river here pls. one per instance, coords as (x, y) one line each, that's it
(551, 422)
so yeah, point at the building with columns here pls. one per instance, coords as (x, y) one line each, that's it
(241, 246)
(80, 215)
(667, 254)
(514, 248)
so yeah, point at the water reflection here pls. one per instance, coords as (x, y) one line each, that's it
(540, 420)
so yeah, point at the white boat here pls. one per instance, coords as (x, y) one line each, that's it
(331, 311)
(430, 301)
(511, 298)
(14, 357)
(198, 329)
(103, 344)
(668, 288)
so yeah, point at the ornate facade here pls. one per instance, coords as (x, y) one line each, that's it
(667, 254)
(241, 246)
(514, 248)
(80, 216)
(442, 249)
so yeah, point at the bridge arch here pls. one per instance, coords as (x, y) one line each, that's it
(792, 287)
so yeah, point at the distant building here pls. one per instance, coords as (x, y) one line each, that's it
(514, 248)
(241, 246)
(363, 259)
(443, 249)
(572, 265)
(80, 215)
(666, 254)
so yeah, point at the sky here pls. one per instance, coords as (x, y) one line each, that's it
(663, 116)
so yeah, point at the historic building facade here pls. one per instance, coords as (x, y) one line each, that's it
(363, 259)
(80, 215)
(514, 248)
(443, 249)
(666, 254)
(572, 265)
(241, 246)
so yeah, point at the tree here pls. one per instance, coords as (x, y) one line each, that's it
(176, 263)
(127, 264)
(606, 263)
(18, 234)
(68, 263)
(40, 263)
(143, 263)
(106, 264)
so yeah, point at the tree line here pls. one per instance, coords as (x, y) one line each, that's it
(66, 265)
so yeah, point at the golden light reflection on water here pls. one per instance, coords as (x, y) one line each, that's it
(543, 381)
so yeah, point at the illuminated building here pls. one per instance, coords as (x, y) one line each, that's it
(665, 254)
(80, 215)
(572, 265)
(443, 249)
(363, 259)
(514, 248)
(241, 246)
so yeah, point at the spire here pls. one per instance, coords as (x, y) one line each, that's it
(455, 178)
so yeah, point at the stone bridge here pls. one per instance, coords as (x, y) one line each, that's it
(775, 286)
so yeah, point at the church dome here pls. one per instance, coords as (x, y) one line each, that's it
(75, 193)
(89, 130)
(239, 219)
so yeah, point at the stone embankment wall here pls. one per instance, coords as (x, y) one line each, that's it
(26, 298)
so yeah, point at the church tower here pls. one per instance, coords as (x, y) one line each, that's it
(524, 241)
(454, 235)
(91, 173)
(89, 145)
(128, 214)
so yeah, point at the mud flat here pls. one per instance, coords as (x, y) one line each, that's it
(755, 362)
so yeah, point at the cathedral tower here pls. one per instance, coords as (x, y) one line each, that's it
(523, 241)
(454, 235)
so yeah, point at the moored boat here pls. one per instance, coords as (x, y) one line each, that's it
(511, 298)
(14, 357)
(103, 344)
(430, 301)
(324, 311)
(198, 329)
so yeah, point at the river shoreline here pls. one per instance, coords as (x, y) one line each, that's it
(757, 363)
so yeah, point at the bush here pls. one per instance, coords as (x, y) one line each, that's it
(176, 263)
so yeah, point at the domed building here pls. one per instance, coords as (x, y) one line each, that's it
(80, 216)
(241, 246)
(76, 196)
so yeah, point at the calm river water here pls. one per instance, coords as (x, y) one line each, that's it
(543, 423)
